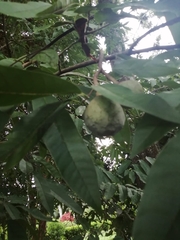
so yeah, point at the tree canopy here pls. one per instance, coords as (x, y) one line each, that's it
(51, 67)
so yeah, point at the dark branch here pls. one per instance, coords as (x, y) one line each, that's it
(31, 55)
(168, 23)
(114, 56)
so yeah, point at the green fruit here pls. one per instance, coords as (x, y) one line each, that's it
(133, 85)
(104, 117)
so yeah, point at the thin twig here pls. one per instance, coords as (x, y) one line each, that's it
(114, 56)
(51, 43)
(68, 47)
(96, 30)
(95, 78)
(109, 77)
(168, 23)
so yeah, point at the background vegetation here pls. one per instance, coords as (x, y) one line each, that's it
(48, 156)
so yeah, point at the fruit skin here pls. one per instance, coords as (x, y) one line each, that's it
(133, 85)
(104, 117)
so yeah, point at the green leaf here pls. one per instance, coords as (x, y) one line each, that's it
(45, 197)
(122, 192)
(160, 203)
(36, 213)
(147, 68)
(132, 176)
(27, 132)
(18, 85)
(85, 9)
(138, 170)
(149, 130)
(46, 187)
(144, 166)
(150, 160)
(152, 104)
(13, 212)
(23, 10)
(124, 165)
(58, 7)
(123, 135)
(171, 84)
(8, 61)
(106, 15)
(172, 97)
(49, 56)
(14, 199)
(25, 166)
(61, 194)
(73, 159)
(5, 113)
(102, 177)
(142, 176)
(110, 190)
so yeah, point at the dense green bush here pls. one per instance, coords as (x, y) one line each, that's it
(55, 231)
(65, 231)
(74, 231)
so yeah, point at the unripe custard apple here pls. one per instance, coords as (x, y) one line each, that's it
(133, 85)
(104, 117)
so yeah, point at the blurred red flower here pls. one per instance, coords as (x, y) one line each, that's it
(67, 217)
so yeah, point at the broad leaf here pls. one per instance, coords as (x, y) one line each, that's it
(56, 190)
(148, 68)
(25, 167)
(13, 212)
(110, 190)
(23, 10)
(18, 85)
(152, 104)
(27, 132)
(123, 135)
(160, 204)
(73, 159)
(58, 7)
(5, 113)
(149, 130)
(142, 176)
(45, 197)
(49, 56)
(124, 165)
(36, 213)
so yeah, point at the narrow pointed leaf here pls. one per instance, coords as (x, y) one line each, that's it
(45, 197)
(23, 10)
(147, 68)
(36, 213)
(152, 104)
(57, 191)
(160, 204)
(73, 159)
(28, 131)
(13, 212)
(5, 114)
(149, 130)
(61, 194)
(17, 85)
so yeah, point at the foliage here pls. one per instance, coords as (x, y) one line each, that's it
(49, 157)
(55, 230)
(74, 232)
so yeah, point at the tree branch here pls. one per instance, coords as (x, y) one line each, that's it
(114, 56)
(168, 23)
